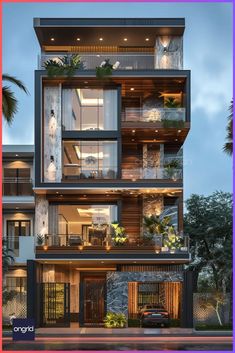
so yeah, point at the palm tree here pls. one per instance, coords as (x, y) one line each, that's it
(7, 256)
(228, 146)
(9, 102)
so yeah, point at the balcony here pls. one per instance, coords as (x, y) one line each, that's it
(169, 117)
(17, 187)
(134, 61)
(62, 245)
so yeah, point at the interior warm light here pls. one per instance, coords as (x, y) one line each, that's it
(125, 39)
(133, 131)
(45, 247)
(78, 39)
(179, 130)
(52, 39)
(108, 247)
(132, 89)
(147, 39)
(80, 248)
(156, 130)
(101, 39)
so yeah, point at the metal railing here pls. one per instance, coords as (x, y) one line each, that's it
(158, 243)
(153, 115)
(71, 171)
(134, 61)
(17, 187)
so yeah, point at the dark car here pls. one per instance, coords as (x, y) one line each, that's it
(154, 316)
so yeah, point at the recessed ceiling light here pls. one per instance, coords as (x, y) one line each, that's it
(78, 39)
(147, 39)
(125, 39)
(101, 39)
(156, 130)
(132, 89)
(84, 195)
(132, 139)
(102, 262)
(98, 55)
(17, 208)
(133, 131)
(107, 195)
(57, 192)
(17, 155)
(154, 140)
(61, 195)
(85, 82)
(176, 139)
(134, 262)
(179, 130)
(52, 39)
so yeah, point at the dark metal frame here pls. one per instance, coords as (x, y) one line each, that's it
(41, 74)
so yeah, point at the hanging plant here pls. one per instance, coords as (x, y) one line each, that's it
(63, 66)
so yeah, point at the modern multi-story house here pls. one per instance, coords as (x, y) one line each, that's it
(109, 148)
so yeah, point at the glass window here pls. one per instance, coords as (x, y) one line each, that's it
(87, 224)
(17, 182)
(90, 159)
(89, 109)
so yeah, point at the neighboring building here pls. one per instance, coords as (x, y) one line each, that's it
(18, 221)
(109, 149)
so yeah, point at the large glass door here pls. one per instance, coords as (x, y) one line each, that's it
(93, 305)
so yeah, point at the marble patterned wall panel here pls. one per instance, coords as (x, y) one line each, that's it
(153, 204)
(52, 134)
(117, 286)
(169, 52)
(41, 215)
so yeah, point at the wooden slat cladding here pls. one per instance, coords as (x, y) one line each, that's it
(169, 296)
(151, 268)
(131, 216)
(131, 156)
(98, 49)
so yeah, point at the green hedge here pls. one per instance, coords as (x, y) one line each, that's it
(204, 327)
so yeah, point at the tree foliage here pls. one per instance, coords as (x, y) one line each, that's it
(228, 146)
(208, 222)
(9, 102)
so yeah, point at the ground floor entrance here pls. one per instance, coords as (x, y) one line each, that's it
(72, 296)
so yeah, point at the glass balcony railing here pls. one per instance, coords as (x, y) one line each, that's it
(169, 172)
(154, 115)
(159, 243)
(17, 187)
(134, 61)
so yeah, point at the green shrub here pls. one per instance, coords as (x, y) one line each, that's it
(206, 327)
(115, 320)
(173, 123)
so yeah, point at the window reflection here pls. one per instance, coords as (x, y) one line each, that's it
(89, 109)
(90, 159)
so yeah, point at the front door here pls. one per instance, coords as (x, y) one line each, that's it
(93, 299)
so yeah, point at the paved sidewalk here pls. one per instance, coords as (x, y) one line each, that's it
(125, 332)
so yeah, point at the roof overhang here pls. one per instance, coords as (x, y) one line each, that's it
(65, 31)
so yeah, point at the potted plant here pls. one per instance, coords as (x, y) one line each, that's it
(105, 69)
(115, 320)
(171, 168)
(173, 241)
(171, 102)
(66, 65)
(40, 239)
(119, 237)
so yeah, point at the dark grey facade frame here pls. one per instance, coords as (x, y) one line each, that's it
(41, 74)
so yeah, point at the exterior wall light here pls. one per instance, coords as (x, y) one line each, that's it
(80, 248)
(108, 247)
(45, 247)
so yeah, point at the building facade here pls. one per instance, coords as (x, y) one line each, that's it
(109, 155)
